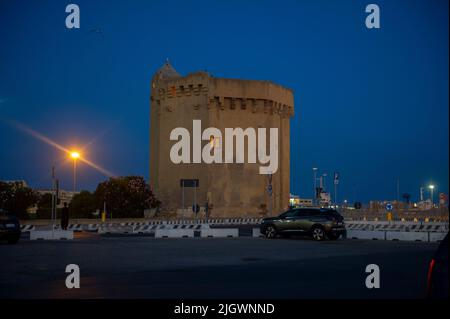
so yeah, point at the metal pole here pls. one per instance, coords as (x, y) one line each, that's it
(398, 190)
(270, 195)
(53, 200)
(74, 175)
(315, 186)
(195, 200)
(432, 197)
(270, 205)
(335, 195)
(182, 194)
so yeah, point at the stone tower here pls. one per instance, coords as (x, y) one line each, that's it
(231, 189)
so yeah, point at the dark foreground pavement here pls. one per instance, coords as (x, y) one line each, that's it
(143, 267)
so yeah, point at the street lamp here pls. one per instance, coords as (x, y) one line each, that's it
(315, 184)
(431, 187)
(75, 156)
(323, 178)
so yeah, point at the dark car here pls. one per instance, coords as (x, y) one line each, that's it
(437, 280)
(9, 227)
(319, 223)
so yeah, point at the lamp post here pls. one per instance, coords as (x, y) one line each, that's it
(75, 156)
(431, 187)
(323, 183)
(315, 185)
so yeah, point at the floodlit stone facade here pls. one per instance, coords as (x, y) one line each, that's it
(231, 189)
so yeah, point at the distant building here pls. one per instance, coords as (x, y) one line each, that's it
(324, 199)
(380, 205)
(425, 205)
(63, 196)
(295, 200)
(18, 183)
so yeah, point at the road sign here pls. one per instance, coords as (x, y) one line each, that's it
(189, 183)
(336, 178)
(389, 206)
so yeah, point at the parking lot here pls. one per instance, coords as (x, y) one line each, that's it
(143, 267)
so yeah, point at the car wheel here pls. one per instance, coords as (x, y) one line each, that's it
(270, 232)
(318, 234)
(333, 236)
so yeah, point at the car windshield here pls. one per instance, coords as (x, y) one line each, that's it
(288, 213)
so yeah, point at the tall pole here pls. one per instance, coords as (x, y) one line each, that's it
(74, 175)
(182, 194)
(323, 185)
(431, 189)
(315, 185)
(335, 194)
(398, 190)
(195, 200)
(53, 199)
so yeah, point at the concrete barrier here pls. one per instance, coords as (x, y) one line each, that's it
(26, 228)
(56, 234)
(366, 234)
(112, 229)
(75, 227)
(408, 236)
(174, 233)
(219, 232)
(433, 237)
(256, 232)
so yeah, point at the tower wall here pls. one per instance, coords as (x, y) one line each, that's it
(234, 189)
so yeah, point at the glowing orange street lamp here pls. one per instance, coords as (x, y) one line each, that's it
(75, 156)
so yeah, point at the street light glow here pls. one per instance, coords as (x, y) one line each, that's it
(431, 186)
(74, 155)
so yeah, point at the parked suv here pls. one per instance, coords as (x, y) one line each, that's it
(9, 227)
(319, 223)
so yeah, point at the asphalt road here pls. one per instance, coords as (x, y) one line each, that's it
(144, 267)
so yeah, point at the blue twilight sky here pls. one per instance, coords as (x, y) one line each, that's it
(371, 104)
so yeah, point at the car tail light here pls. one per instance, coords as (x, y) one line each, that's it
(430, 275)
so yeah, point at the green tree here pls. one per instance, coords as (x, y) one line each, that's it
(16, 199)
(126, 196)
(44, 206)
(82, 205)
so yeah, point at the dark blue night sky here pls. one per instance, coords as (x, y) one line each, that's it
(371, 104)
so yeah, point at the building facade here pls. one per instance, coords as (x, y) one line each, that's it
(228, 189)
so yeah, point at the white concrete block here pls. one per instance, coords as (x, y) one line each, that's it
(51, 235)
(174, 233)
(365, 234)
(437, 236)
(256, 232)
(115, 229)
(219, 232)
(407, 236)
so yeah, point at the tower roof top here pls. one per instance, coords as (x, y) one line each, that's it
(166, 72)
